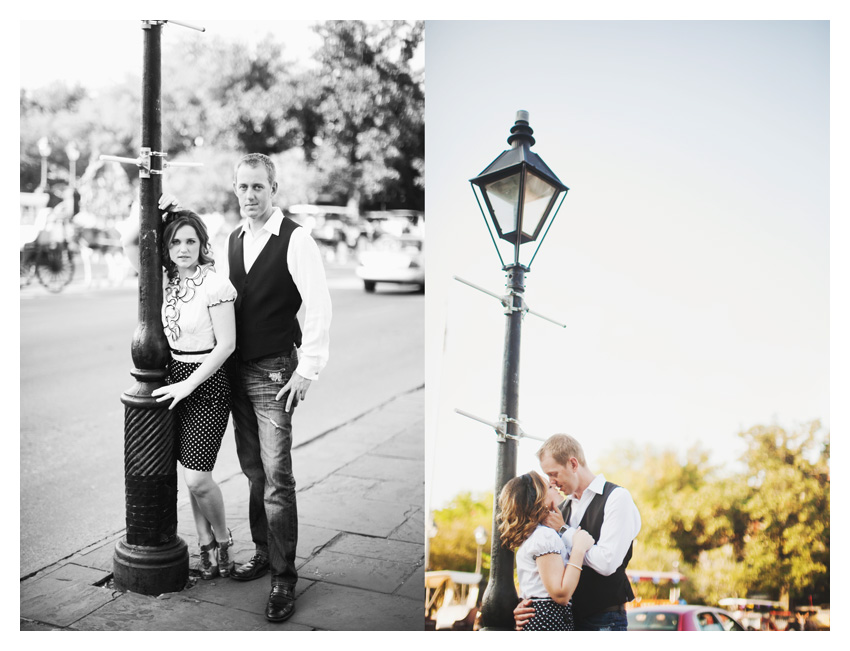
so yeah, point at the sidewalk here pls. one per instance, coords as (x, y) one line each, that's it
(360, 549)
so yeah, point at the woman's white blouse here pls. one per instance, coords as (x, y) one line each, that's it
(186, 311)
(542, 540)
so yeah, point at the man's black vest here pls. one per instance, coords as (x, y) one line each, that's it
(596, 592)
(267, 300)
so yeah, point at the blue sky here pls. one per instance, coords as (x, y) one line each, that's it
(690, 260)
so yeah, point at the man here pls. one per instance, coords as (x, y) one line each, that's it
(606, 511)
(275, 266)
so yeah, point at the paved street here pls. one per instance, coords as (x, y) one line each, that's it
(75, 363)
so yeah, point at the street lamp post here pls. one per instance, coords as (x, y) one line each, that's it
(480, 538)
(151, 558)
(520, 194)
(44, 151)
(430, 532)
(73, 156)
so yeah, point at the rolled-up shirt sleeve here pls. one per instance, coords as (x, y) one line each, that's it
(308, 274)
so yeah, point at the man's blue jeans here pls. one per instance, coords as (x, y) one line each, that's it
(610, 621)
(263, 445)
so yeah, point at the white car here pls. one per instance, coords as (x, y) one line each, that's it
(393, 259)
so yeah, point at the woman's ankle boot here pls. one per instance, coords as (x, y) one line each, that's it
(225, 563)
(208, 570)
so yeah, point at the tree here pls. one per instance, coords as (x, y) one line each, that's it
(353, 130)
(786, 546)
(454, 547)
(677, 499)
(243, 107)
(763, 530)
(370, 144)
(106, 123)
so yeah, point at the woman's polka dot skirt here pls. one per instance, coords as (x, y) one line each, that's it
(201, 418)
(550, 616)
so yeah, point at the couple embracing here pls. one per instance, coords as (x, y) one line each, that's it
(236, 343)
(571, 554)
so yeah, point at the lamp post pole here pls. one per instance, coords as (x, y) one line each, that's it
(480, 539)
(500, 597)
(520, 193)
(43, 150)
(73, 156)
(151, 558)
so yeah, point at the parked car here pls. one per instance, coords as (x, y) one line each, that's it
(330, 226)
(393, 259)
(681, 618)
(395, 222)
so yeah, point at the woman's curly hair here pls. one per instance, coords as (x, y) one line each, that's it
(522, 503)
(173, 221)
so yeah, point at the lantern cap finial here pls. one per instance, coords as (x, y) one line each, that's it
(521, 132)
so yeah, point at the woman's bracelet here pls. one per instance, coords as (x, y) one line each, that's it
(578, 567)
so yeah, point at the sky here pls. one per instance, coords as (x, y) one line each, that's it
(102, 53)
(690, 260)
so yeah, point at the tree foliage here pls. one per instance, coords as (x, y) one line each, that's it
(371, 141)
(454, 547)
(786, 544)
(759, 528)
(349, 130)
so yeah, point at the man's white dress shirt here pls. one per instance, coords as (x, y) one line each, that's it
(620, 526)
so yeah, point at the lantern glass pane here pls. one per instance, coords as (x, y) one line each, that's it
(538, 196)
(504, 199)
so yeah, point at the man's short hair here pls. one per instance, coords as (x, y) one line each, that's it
(561, 447)
(255, 160)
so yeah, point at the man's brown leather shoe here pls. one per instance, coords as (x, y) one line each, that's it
(281, 604)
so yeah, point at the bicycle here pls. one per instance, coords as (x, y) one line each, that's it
(47, 254)
(52, 264)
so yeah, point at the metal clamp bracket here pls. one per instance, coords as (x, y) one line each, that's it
(510, 308)
(143, 162)
(507, 302)
(501, 427)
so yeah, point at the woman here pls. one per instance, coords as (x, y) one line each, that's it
(199, 323)
(545, 574)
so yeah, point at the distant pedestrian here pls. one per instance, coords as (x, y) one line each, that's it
(809, 623)
(547, 575)
(796, 623)
(199, 324)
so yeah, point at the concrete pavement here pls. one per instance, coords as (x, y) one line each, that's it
(360, 550)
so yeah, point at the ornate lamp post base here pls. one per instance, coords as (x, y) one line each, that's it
(151, 558)
(151, 570)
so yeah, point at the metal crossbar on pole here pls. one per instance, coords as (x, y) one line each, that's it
(505, 300)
